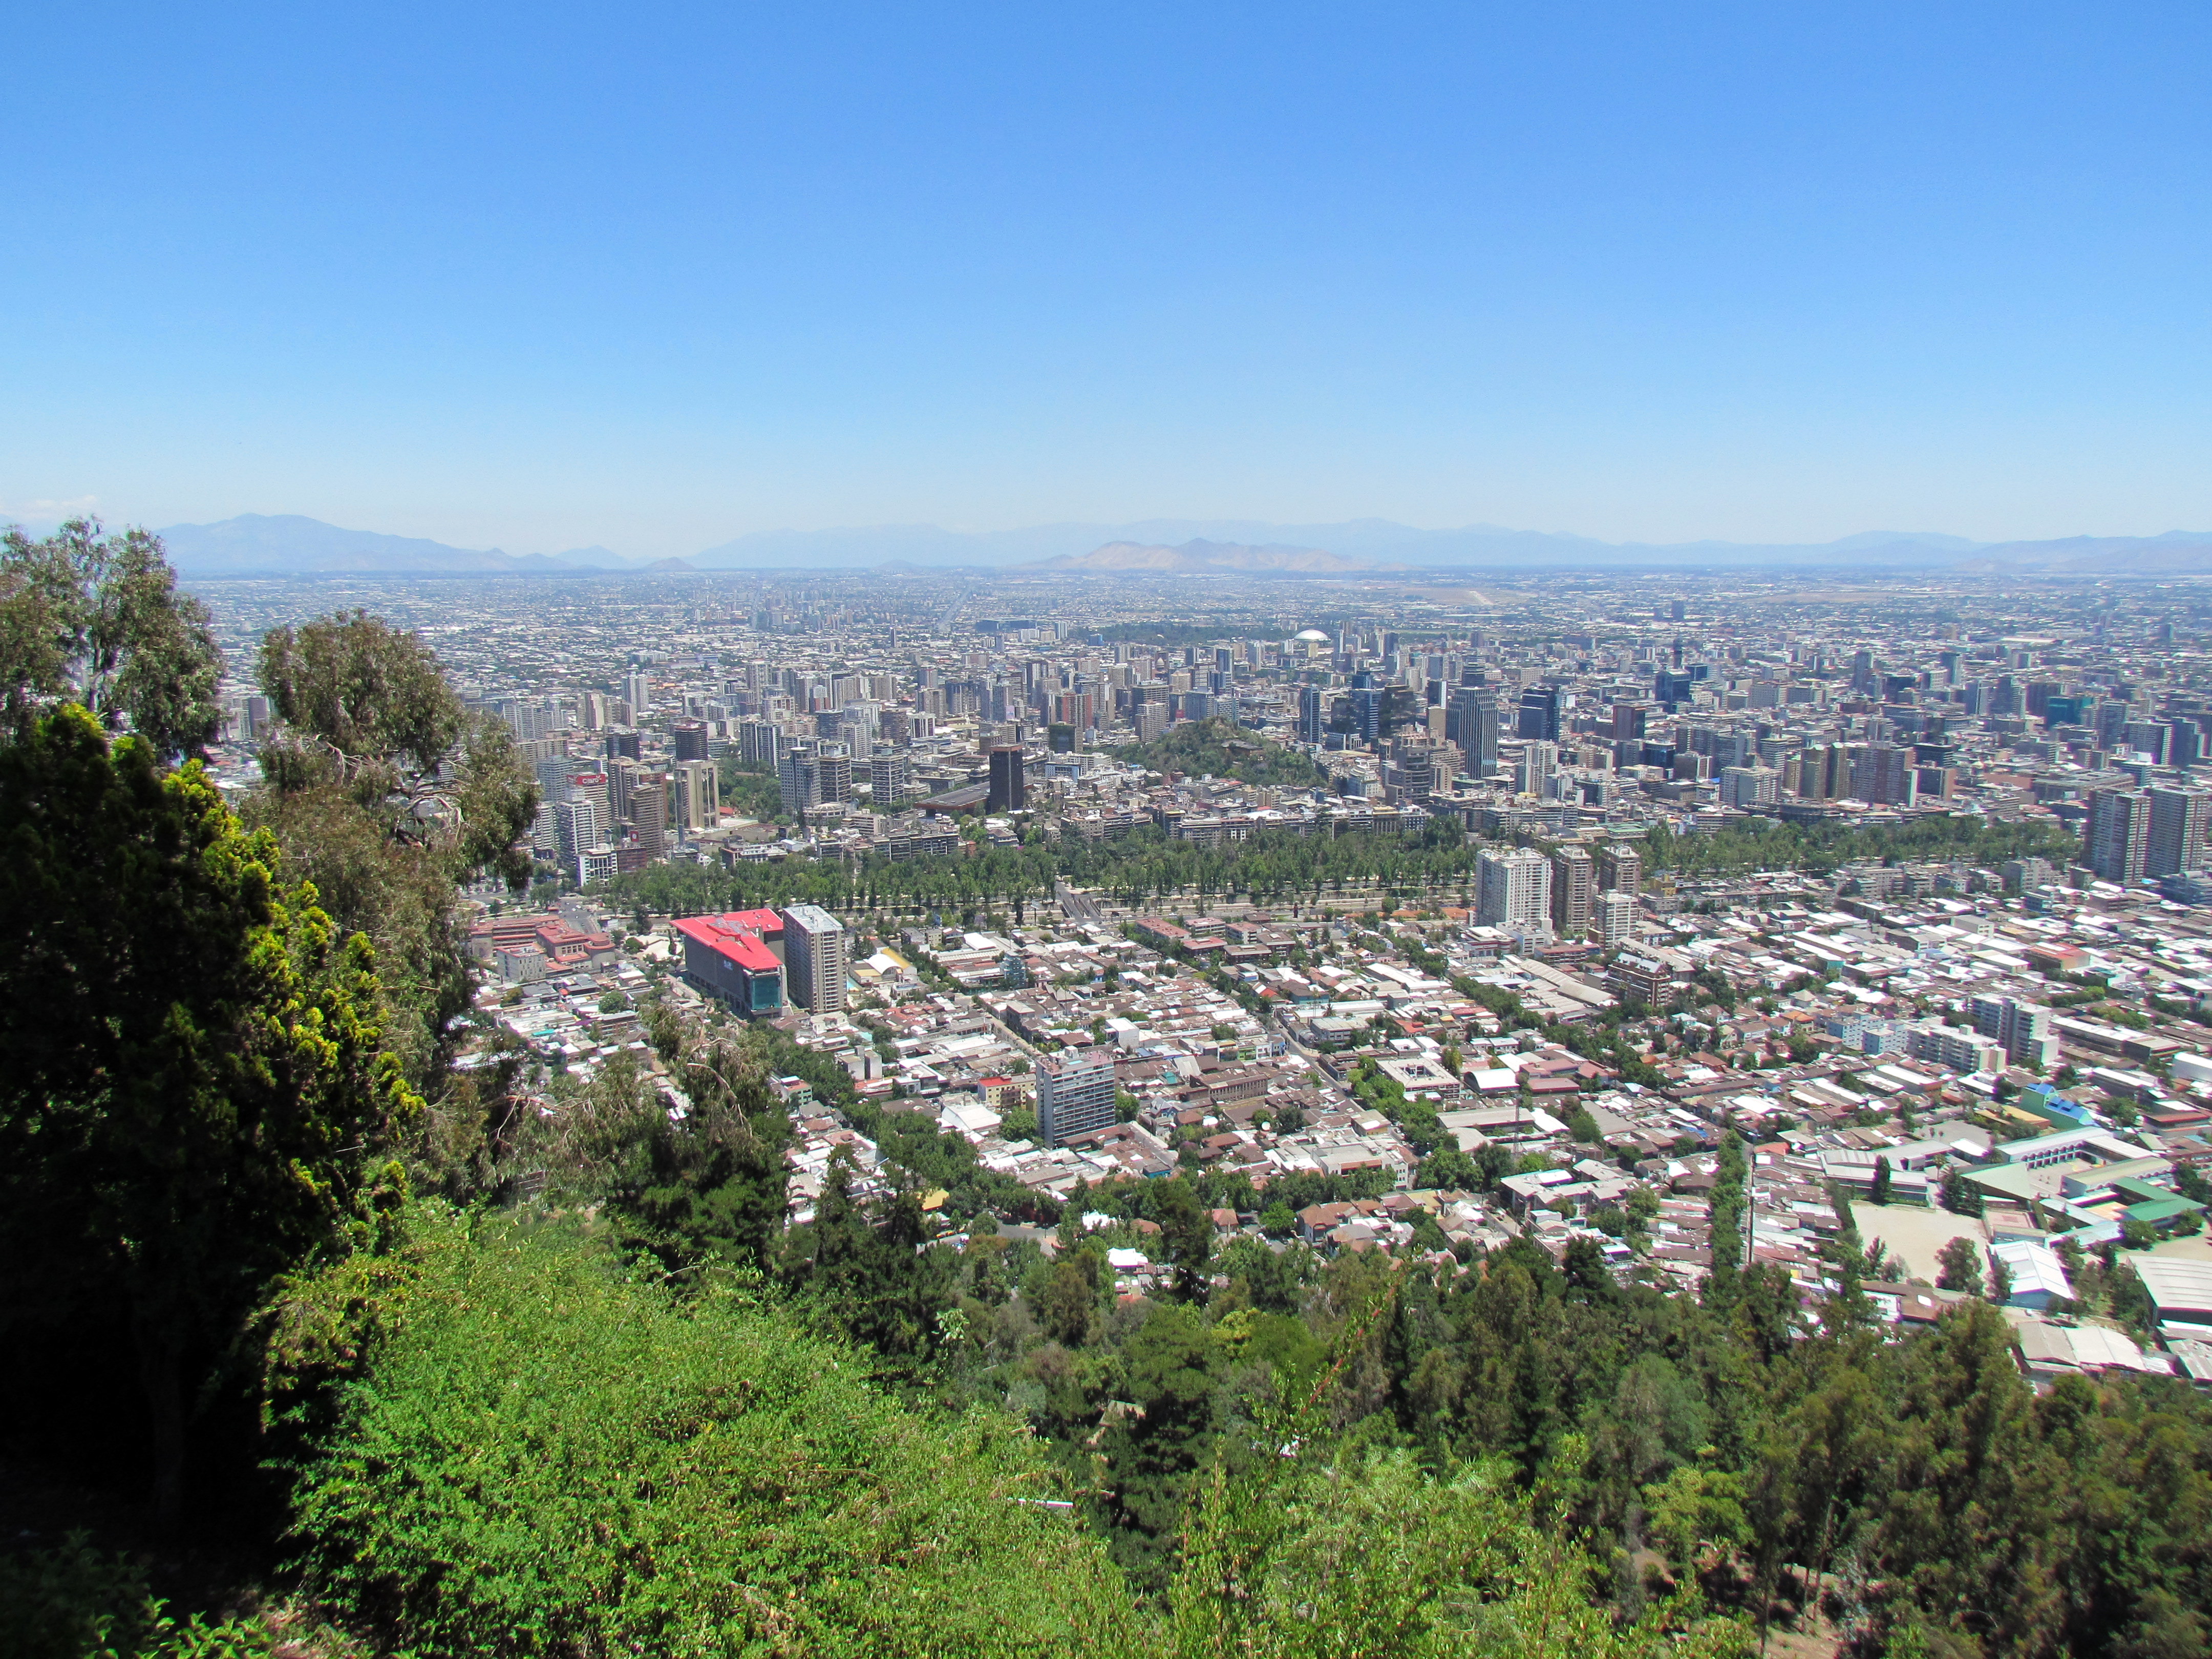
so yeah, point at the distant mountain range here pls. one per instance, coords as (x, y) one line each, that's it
(1199, 557)
(253, 545)
(289, 544)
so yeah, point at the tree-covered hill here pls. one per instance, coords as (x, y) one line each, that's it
(1221, 748)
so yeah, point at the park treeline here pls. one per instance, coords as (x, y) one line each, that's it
(1280, 866)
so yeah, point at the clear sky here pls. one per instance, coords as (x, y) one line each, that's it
(655, 276)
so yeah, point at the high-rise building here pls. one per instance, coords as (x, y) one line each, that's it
(1074, 1094)
(1514, 891)
(798, 778)
(1007, 793)
(2178, 818)
(814, 958)
(1471, 721)
(1538, 761)
(1311, 713)
(1620, 869)
(690, 739)
(2117, 839)
(1574, 885)
(833, 765)
(1614, 918)
(576, 826)
(622, 784)
(637, 691)
(756, 742)
(2022, 1028)
(649, 813)
(1543, 713)
(1883, 773)
(890, 780)
(1750, 786)
(697, 795)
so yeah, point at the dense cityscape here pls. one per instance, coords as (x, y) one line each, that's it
(1500, 905)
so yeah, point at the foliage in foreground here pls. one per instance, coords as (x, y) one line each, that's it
(546, 1456)
(542, 1454)
(193, 1072)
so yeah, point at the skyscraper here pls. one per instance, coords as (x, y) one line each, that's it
(2116, 843)
(1008, 794)
(1471, 721)
(1074, 1094)
(814, 958)
(698, 795)
(1543, 709)
(648, 811)
(2178, 823)
(1311, 714)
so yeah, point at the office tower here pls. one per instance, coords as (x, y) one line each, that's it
(1007, 792)
(1628, 721)
(1614, 918)
(757, 743)
(622, 742)
(1574, 885)
(690, 739)
(1471, 721)
(698, 795)
(1883, 773)
(2117, 839)
(637, 691)
(1311, 716)
(2184, 745)
(621, 785)
(1514, 891)
(890, 780)
(814, 958)
(1367, 705)
(833, 764)
(1542, 711)
(592, 710)
(799, 780)
(1074, 1094)
(649, 813)
(2178, 823)
(1620, 869)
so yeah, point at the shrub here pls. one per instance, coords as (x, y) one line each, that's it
(543, 1456)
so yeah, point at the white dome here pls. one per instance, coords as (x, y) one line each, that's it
(1314, 636)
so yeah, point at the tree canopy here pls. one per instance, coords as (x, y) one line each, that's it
(97, 620)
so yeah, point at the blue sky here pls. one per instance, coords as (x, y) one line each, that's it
(654, 276)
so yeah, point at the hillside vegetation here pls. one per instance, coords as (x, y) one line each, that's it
(1221, 748)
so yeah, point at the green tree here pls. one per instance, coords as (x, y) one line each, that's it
(193, 1076)
(97, 620)
(385, 792)
(1879, 1194)
(1958, 1266)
